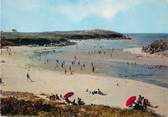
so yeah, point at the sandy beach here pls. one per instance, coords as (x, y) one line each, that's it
(13, 73)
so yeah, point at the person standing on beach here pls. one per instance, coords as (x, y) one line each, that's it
(84, 65)
(57, 61)
(81, 68)
(28, 77)
(71, 72)
(70, 68)
(78, 62)
(75, 57)
(65, 71)
(62, 64)
(92, 64)
(93, 69)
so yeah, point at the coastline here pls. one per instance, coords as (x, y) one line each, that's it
(50, 82)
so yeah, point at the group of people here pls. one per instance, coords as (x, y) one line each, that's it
(74, 102)
(98, 91)
(57, 97)
(62, 65)
(8, 50)
(142, 103)
(100, 52)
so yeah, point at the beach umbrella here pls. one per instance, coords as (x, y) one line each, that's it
(130, 100)
(68, 94)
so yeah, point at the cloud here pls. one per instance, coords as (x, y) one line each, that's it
(106, 9)
(75, 10)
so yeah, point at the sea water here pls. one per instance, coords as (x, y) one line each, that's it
(154, 74)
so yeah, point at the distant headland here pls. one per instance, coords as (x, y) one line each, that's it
(57, 37)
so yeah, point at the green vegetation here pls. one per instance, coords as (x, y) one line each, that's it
(56, 38)
(27, 104)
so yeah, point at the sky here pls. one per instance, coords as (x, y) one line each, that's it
(127, 16)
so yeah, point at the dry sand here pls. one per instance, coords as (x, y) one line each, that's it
(13, 73)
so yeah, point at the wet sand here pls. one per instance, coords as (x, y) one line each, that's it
(13, 73)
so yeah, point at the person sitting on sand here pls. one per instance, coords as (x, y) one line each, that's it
(147, 103)
(67, 100)
(100, 92)
(57, 97)
(52, 97)
(1, 82)
(80, 102)
(94, 92)
(60, 95)
(73, 102)
(139, 99)
(141, 104)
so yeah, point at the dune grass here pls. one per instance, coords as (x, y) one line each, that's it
(40, 107)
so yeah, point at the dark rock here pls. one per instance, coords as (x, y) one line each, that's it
(156, 46)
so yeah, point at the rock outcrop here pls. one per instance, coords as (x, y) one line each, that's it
(156, 46)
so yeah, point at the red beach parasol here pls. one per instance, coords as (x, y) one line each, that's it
(130, 100)
(69, 94)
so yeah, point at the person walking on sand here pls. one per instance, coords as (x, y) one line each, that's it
(28, 77)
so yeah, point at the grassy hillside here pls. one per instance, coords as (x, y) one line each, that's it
(18, 103)
(58, 37)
